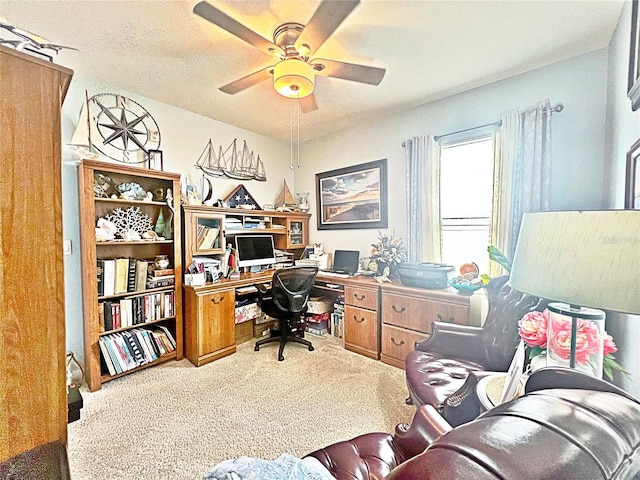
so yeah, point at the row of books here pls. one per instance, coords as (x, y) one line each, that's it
(126, 275)
(337, 318)
(130, 349)
(128, 312)
(206, 237)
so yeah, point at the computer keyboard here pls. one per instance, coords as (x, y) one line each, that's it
(335, 274)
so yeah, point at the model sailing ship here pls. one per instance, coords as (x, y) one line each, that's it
(231, 163)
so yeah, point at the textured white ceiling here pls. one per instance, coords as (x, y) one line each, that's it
(431, 49)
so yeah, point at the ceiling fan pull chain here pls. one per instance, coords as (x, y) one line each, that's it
(298, 129)
(291, 133)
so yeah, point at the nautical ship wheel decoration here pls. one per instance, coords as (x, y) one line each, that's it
(125, 130)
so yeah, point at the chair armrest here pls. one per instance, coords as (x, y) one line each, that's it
(559, 377)
(426, 427)
(451, 339)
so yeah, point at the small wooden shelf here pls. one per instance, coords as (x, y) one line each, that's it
(138, 325)
(136, 242)
(128, 202)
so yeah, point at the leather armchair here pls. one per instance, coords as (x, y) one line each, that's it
(440, 364)
(577, 432)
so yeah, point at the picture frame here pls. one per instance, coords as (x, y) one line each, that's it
(353, 197)
(633, 90)
(632, 184)
(154, 160)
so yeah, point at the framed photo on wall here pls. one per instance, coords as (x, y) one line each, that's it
(633, 91)
(353, 197)
(632, 185)
(155, 160)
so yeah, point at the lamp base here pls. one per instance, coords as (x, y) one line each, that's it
(575, 338)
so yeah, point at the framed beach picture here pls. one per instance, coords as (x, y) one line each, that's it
(632, 185)
(353, 197)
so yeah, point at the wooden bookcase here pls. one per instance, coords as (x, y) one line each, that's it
(92, 209)
(32, 325)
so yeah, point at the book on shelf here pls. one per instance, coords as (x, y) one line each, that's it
(131, 275)
(122, 272)
(141, 274)
(100, 278)
(159, 272)
(206, 237)
(108, 275)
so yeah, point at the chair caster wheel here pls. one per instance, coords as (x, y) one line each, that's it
(280, 358)
(408, 401)
(311, 348)
(256, 348)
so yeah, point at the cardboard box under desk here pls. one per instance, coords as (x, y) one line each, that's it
(247, 312)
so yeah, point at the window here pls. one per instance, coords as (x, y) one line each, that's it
(466, 198)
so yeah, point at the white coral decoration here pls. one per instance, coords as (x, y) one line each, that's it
(130, 219)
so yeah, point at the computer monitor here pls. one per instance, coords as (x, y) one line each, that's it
(255, 250)
(346, 261)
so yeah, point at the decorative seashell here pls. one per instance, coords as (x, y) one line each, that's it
(132, 191)
(102, 236)
(132, 236)
(150, 235)
(107, 226)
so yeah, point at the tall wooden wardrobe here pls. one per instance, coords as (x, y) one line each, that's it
(33, 398)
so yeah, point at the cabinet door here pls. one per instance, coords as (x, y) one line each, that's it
(361, 331)
(396, 343)
(295, 232)
(216, 322)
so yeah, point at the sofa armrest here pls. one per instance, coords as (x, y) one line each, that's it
(559, 377)
(427, 426)
(452, 339)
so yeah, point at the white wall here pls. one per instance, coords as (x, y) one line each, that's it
(578, 139)
(184, 136)
(623, 129)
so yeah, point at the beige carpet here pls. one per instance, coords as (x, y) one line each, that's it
(176, 421)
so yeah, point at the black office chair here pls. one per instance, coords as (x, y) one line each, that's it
(287, 302)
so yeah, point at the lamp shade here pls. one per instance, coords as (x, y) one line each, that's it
(293, 78)
(586, 258)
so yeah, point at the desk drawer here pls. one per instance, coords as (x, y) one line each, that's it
(396, 344)
(361, 297)
(361, 329)
(418, 313)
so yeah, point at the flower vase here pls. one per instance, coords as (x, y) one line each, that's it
(589, 338)
(538, 362)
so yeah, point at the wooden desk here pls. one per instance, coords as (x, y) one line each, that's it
(379, 318)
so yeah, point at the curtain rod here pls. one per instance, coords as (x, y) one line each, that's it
(557, 108)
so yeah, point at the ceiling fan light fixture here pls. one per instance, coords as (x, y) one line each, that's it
(293, 78)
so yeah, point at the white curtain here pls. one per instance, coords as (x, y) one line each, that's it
(522, 172)
(423, 199)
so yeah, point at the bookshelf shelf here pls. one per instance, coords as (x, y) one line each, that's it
(132, 326)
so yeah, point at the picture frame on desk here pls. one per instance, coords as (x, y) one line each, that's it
(353, 197)
(154, 160)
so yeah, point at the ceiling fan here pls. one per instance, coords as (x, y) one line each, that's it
(293, 44)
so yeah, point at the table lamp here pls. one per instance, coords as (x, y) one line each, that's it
(586, 261)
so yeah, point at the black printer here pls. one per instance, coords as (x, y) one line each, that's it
(425, 274)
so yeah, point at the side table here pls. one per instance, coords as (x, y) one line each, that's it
(74, 404)
(489, 390)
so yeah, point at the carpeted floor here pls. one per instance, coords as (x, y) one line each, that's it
(176, 421)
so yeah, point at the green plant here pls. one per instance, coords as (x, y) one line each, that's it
(499, 257)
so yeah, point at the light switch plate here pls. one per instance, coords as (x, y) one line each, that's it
(66, 247)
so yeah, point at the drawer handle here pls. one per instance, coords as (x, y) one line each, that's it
(449, 320)
(356, 319)
(398, 344)
(398, 310)
(359, 298)
(217, 301)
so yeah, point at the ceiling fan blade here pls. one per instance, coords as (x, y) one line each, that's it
(348, 71)
(224, 21)
(248, 81)
(325, 20)
(308, 103)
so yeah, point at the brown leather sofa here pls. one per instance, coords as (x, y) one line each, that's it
(568, 433)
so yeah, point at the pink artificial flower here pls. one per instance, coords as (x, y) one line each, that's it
(587, 339)
(533, 329)
(608, 346)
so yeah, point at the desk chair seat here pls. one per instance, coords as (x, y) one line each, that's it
(287, 302)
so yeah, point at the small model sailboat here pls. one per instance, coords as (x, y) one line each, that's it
(285, 198)
(210, 163)
(84, 134)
